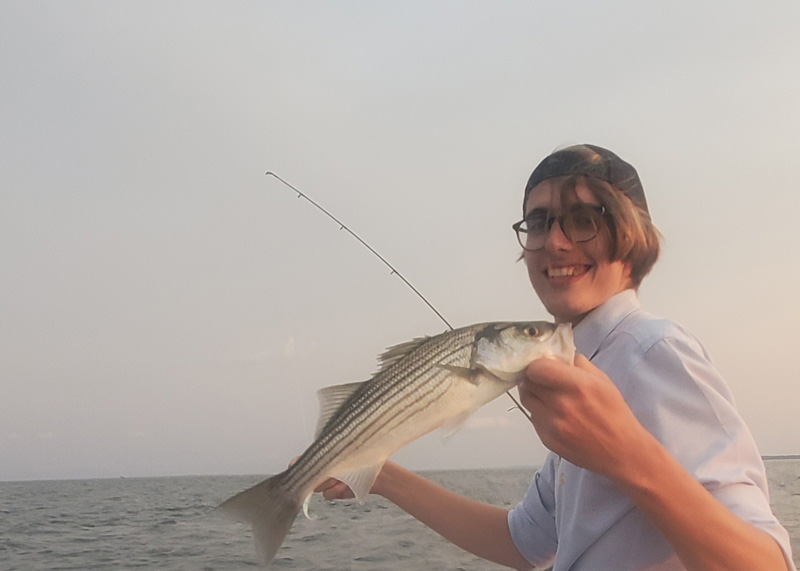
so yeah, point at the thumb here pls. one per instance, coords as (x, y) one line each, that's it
(590, 369)
(585, 364)
(544, 372)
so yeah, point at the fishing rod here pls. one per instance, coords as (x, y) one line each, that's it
(343, 226)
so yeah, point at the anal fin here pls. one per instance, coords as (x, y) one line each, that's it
(361, 480)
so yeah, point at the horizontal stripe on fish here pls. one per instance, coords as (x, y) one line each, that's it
(366, 421)
(365, 407)
(420, 385)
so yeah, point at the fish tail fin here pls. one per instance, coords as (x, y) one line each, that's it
(269, 509)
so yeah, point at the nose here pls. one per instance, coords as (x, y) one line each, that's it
(556, 239)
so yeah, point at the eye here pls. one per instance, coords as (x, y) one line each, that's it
(536, 224)
(583, 220)
(585, 217)
(532, 331)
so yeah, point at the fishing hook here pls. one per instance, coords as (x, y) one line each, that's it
(343, 226)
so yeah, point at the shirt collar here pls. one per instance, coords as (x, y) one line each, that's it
(602, 320)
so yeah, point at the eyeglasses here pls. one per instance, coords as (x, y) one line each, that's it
(579, 224)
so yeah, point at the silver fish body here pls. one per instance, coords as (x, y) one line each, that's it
(422, 385)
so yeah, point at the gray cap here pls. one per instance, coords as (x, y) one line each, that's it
(590, 161)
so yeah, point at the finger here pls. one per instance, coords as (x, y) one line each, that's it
(327, 484)
(592, 370)
(583, 363)
(333, 489)
(339, 491)
(545, 373)
(532, 402)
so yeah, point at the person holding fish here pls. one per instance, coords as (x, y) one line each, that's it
(650, 465)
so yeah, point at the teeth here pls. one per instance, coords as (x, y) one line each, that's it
(561, 272)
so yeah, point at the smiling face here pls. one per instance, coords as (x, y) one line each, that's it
(572, 279)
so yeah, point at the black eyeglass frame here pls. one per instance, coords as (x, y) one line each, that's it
(517, 226)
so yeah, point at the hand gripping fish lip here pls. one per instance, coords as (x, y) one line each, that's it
(424, 384)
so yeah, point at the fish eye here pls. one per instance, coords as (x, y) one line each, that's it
(532, 331)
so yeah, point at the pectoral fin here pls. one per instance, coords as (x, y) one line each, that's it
(510, 377)
(469, 374)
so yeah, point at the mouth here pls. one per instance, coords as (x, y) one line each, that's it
(567, 271)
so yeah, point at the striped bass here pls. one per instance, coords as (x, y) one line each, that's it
(422, 385)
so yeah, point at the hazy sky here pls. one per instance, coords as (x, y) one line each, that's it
(166, 308)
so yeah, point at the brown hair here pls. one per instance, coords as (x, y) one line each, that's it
(634, 238)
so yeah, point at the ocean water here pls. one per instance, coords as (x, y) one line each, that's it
(166, 523)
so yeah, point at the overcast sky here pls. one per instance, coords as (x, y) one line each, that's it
(166, 308)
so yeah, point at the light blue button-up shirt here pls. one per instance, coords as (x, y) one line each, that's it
(667, 378)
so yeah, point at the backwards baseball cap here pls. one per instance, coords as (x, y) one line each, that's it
(590, 161)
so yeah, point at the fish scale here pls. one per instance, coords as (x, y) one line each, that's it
(417, 372)
(420, 386)
(368, 412)
(385, 382)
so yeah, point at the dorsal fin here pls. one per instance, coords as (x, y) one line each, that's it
(397, 352)
(330, 399)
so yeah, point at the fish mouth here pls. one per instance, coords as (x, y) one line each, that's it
(567, 271)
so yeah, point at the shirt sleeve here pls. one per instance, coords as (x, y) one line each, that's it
(532, 522)
(681, 398)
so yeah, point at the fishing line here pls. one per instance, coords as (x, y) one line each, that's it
(343, 226)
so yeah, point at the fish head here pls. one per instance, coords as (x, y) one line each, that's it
(506, 349)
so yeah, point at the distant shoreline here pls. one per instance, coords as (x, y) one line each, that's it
(531, 468)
